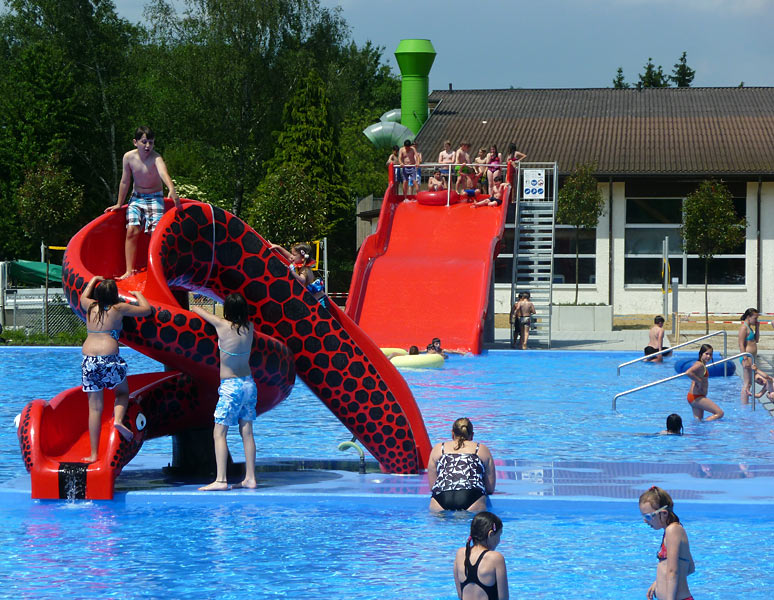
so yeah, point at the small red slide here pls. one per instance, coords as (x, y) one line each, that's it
(202, 248)
(426, 272)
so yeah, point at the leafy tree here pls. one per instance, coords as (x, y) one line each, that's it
(710, 226)
(682, 74)
(580, 205)
(309, 144)
(49, 202)
(653, 77)
(618, 81)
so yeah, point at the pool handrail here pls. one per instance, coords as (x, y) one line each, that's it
(665, 350)
(652, 383)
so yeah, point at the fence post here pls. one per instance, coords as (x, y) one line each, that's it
(675, 281)
(45, 295)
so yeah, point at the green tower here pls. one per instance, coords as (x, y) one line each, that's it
(415, 59)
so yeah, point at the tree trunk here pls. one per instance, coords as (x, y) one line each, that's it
(577, 262)
(706, 296)
(238, 195)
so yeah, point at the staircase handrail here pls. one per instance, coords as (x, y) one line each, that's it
(651, 384)
(671, 348)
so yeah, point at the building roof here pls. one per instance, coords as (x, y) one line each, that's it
(653, 131)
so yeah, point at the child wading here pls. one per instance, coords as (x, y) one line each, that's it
(237, 392)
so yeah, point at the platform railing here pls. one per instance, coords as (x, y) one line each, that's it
(660, 381)
(688, 343)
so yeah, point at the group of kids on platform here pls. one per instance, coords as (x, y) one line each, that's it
(484, 173)
(103, 368)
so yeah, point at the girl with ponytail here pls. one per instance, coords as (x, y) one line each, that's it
(477, 567)
(675, 562)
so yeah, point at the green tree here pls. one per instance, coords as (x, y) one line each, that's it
(710, 226)
(653, 77)
(580, 205)
(682, 75)
(308, 144)
(619, 82)
(49, 202)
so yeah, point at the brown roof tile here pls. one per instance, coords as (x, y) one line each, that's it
(654, 131)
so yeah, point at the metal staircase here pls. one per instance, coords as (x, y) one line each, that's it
(533, 248)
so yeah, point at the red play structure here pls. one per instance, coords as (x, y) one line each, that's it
(207, 250)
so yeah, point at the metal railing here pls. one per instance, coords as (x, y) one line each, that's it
(671, 348)
(660, 381)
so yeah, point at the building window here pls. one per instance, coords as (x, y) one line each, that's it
(648, 222)
(564, 255)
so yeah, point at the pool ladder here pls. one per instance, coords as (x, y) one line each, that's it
(647, 385)
(688, 343)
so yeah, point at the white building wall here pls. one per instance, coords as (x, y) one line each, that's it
(648, 299)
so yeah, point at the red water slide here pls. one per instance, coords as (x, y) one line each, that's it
(205, 249)
(426, 272)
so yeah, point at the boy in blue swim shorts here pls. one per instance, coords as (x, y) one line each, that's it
(146, 205)
(237, 394)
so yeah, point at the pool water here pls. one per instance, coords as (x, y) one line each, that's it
(526, 406)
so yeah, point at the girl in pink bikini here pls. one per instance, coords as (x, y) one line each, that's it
(675, 562)
(697, 396)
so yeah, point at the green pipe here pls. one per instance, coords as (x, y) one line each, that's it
(415, 59)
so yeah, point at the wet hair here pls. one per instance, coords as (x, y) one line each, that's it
(657, 497)
(395, 148)
(434, 340)
(481, 526)
(144, 130)
(407, 143)
(703, 349)
(659, 320)
(430, 347)
(521, 295)
(749, 313)
(497, 177)
(413, 351)
(105, 295)
(462, 430)
(674, 424)
(512, 148)
(235, 310)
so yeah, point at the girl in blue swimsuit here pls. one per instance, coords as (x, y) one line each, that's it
(748, 342)
(102, 367)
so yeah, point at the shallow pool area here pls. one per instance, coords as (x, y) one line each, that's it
(569, 472)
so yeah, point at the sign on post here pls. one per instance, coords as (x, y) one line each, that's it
(534, 184)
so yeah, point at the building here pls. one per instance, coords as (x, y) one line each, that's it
(652, 147)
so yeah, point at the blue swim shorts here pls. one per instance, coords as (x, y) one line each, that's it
(237, 398)
(102, 372)
(145, 210)
(410, 175)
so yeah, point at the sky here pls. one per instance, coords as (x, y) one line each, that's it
(495, 44)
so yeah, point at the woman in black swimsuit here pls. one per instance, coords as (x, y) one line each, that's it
(461, 473)
(479, 571)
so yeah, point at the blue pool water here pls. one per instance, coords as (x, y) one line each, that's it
(546, 407)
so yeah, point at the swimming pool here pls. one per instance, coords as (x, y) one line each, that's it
(545, 415)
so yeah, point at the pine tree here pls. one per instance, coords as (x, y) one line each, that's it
(618, 82)
(682, 74)
(653, 77)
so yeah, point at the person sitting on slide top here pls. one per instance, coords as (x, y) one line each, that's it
(496, 197)
(237, 394)
(461, 472)
(437, 182)
(467, 178)
(146, 206)
(102, 367)
(409, 161)
(300, 257)
(656, 340)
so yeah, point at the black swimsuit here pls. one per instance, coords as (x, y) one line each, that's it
(460, 480)
(471, 576)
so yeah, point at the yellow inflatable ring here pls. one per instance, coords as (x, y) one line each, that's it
(418, 361)
(394, 351)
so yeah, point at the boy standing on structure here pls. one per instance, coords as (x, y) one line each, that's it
(409, 160)
(146, 205)
(521, 316)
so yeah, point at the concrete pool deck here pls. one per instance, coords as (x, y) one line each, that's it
(517, 481)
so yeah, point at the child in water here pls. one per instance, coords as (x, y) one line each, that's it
(478, 568)
(697, 396)
(674, 425)
(675, 562)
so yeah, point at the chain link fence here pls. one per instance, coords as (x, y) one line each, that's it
(27, 310)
